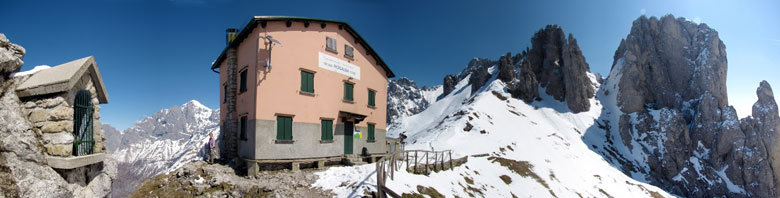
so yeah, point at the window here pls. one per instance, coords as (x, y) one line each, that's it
(348, 51)
(243, 82)
(224, 100)
(331, 44)
(371, 97)
(348, 91)
(283, 128)
(243, 127)
(82, 116)
(371, 133)
(327, 130)
(307, 82)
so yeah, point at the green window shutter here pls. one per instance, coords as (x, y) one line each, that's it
(307, 82)
(288, 128)
(327, 130)
(371, 97)
(311, 82)
(303, 81)
(348, 91)
(330, 130)
(280, 128)
(371, 132)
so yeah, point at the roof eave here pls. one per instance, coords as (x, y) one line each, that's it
(253, 23)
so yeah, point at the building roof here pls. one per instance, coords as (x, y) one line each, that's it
(257, 19)
(62, 78)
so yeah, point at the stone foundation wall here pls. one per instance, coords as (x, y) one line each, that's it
(52, 116)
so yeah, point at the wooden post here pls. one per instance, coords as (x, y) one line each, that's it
(435, 159)
(442, 161)
(451, 167)
(426, 162)
(379, 183)
(415, 162)
(407, 159)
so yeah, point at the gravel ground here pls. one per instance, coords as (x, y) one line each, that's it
(198, 179)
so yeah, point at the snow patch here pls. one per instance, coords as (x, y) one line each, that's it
(32, 71)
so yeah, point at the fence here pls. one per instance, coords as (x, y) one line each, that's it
(418, 157)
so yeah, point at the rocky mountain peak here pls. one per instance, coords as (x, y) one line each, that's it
(405, 98)
(670, 79)
(669, 61)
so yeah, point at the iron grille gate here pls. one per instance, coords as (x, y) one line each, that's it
(82, 124)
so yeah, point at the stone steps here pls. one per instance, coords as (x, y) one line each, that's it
(353, 160)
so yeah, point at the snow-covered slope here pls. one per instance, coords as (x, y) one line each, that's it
(163, 142)
(533, 150)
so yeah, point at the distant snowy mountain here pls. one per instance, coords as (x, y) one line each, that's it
(162, 142)
(405, 98)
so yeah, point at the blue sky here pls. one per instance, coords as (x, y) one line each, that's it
(156, 54)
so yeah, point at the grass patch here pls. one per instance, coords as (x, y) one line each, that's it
(469, 180)
(429, 191)
(506, 179)
(605, 193)
(522, 168)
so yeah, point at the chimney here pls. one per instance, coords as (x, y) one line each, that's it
(230, 35)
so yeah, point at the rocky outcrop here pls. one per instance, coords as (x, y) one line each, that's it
(577, 85)
(669, 61)
(11, 56)
(478, 78)
(526, 87)
(670, 77)
(506, 72)
(554, 63)
(24, 171)
(449, 84)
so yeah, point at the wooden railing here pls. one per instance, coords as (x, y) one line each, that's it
(383, 170)
(423, 157)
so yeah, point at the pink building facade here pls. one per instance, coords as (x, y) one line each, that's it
(299, 88)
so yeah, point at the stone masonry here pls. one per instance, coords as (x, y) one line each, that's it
(53, 116)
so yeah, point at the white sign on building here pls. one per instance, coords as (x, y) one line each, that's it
(339, 66)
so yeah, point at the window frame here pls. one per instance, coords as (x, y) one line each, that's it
(371, 98)
(371, 128)
(242, 84)
(349, 51)
(307, 79)
(225, 90)
(351, 92)
(331, 48)
(243, 127)
(282, 133)
(326, 131)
